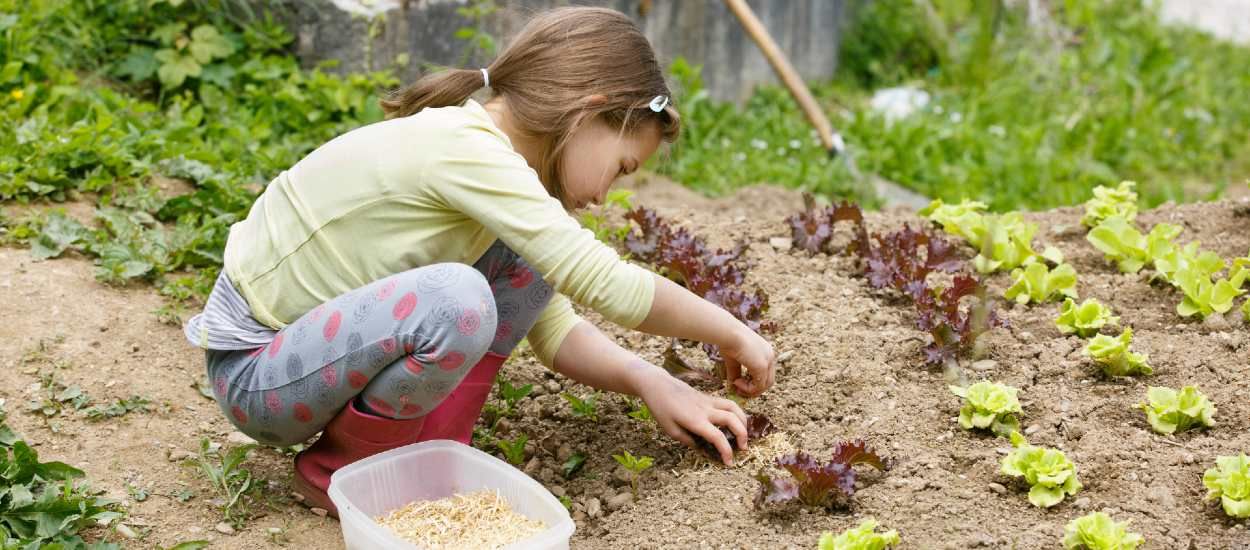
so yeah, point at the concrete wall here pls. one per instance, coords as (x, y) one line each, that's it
(374, 34)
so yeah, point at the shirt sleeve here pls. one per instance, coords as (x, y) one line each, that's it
(478, 174)
(551, 328)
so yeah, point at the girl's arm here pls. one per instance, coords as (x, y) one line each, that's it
(677, 312)
(590, 357)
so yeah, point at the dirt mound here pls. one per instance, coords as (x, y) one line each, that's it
(854, 371)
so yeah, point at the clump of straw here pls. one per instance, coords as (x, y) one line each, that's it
(477, 520)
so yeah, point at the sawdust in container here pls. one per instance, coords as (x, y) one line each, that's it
(478, 520)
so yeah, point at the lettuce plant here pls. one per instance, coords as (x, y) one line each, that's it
(1114, 356)
(813, 483)
(1037, 283)
(1005, 241)
(1050, 474)
(1245, 310)
(1229, 481)
(1204, 296)
(1169, 259)
(1170, 411)
(1097, 531)
(1084, 320)
(966, 219)
(1122, 243)
(988, 405)
(863, 537)
(1120, 201)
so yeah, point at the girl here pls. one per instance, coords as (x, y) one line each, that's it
(375, 288)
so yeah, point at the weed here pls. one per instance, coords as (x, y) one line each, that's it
(573, 465)
(513, 450)
(234, 484)
(118, 408)
(636, 466)
(584, 408)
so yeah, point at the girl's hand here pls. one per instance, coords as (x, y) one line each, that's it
(750, 350)
(680, 411)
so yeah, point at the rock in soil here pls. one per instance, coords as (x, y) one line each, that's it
(619, 501)
(593, 507)
(224, 528)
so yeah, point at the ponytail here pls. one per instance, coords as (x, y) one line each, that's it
(441, 89)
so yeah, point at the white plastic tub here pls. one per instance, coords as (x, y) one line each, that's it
(432, 470)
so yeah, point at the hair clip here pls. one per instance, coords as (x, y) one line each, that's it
(659, 103)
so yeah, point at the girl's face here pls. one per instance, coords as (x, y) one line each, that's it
(597, 154)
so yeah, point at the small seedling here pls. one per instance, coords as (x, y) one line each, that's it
(566, 502)
(1086, 319)
(640, 412)
(1097, 531)
(1170, 411)
(1114, 356)
(56, 397)
(989, 406)
(1037, 283)
(636, 466)
(118, 408)
(139, 494)
(514, 450)
(1229, 482)
(598, 222)
(863, 537)
(512, 395)
(824, 485)
(585, 408)
(233, 484)
(1049, 473)
(573, 464)
(1107, 202)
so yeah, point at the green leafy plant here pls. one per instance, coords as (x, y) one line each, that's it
(1086, 319)
(1037, 283)
(1203, 296)
(55, 397)
(1097, 531)
(636, 466)
(862, 537)
(234, 484)
(584, 408)
(514, 450)
(1229, 482)
(1049, 473)
(1169, 259)
(989, 405)
(1005, 241)
(1119, 201)
(1113, 355)
(597, 221)
(118, 408)
(1170, 411)
(1122, 243)
(573, 464)
(640, 412)
(43, 506)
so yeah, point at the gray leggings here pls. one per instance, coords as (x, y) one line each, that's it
(401, 343)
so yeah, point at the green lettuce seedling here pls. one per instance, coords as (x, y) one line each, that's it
(966, 219)
(1245, 310)
(1008, 243)
(1170, 411)
(1203, 296)
(863, 537)
(1122, 243)
(1169, 258)
(1050, 474)
(1037, 283)
(1114, 357)
(1229, 481)
(988, 405)
(1097, 531)
(1108, 202)
(1086, 319)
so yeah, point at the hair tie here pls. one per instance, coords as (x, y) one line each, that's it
(485, 78)
(659, 103)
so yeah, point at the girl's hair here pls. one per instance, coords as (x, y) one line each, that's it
(559, 58)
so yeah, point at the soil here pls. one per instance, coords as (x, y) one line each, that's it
(854, 371)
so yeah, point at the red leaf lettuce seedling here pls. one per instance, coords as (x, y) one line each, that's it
(825, 485)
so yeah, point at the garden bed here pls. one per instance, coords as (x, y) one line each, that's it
(853, 370)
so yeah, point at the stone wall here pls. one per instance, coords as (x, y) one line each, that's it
(375, 34)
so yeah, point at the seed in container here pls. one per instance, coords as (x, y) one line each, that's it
(478, 520)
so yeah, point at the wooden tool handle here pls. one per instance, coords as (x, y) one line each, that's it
(784, 70)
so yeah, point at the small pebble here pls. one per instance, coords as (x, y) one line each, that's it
(224, 528)
(984, 365)
(1082, 503)
(557, 490)
(125, 531)
(785, 356)
(552, 386)
(780, 243)
(1189, 458)
(998, 488)
(239, 438)
(619, 501)
(594, 508)
(319, 511)
(1032, 429)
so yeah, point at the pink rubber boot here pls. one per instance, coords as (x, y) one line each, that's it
(454, 418)
(350, 436)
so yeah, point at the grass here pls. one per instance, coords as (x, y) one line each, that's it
(1023, 119)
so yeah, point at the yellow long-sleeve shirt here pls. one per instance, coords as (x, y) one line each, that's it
(437, 186)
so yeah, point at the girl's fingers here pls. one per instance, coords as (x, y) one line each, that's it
(681, 435)
(733, 370)
(709, 432)
(731, 421)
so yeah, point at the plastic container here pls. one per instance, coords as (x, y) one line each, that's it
(432, 470)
